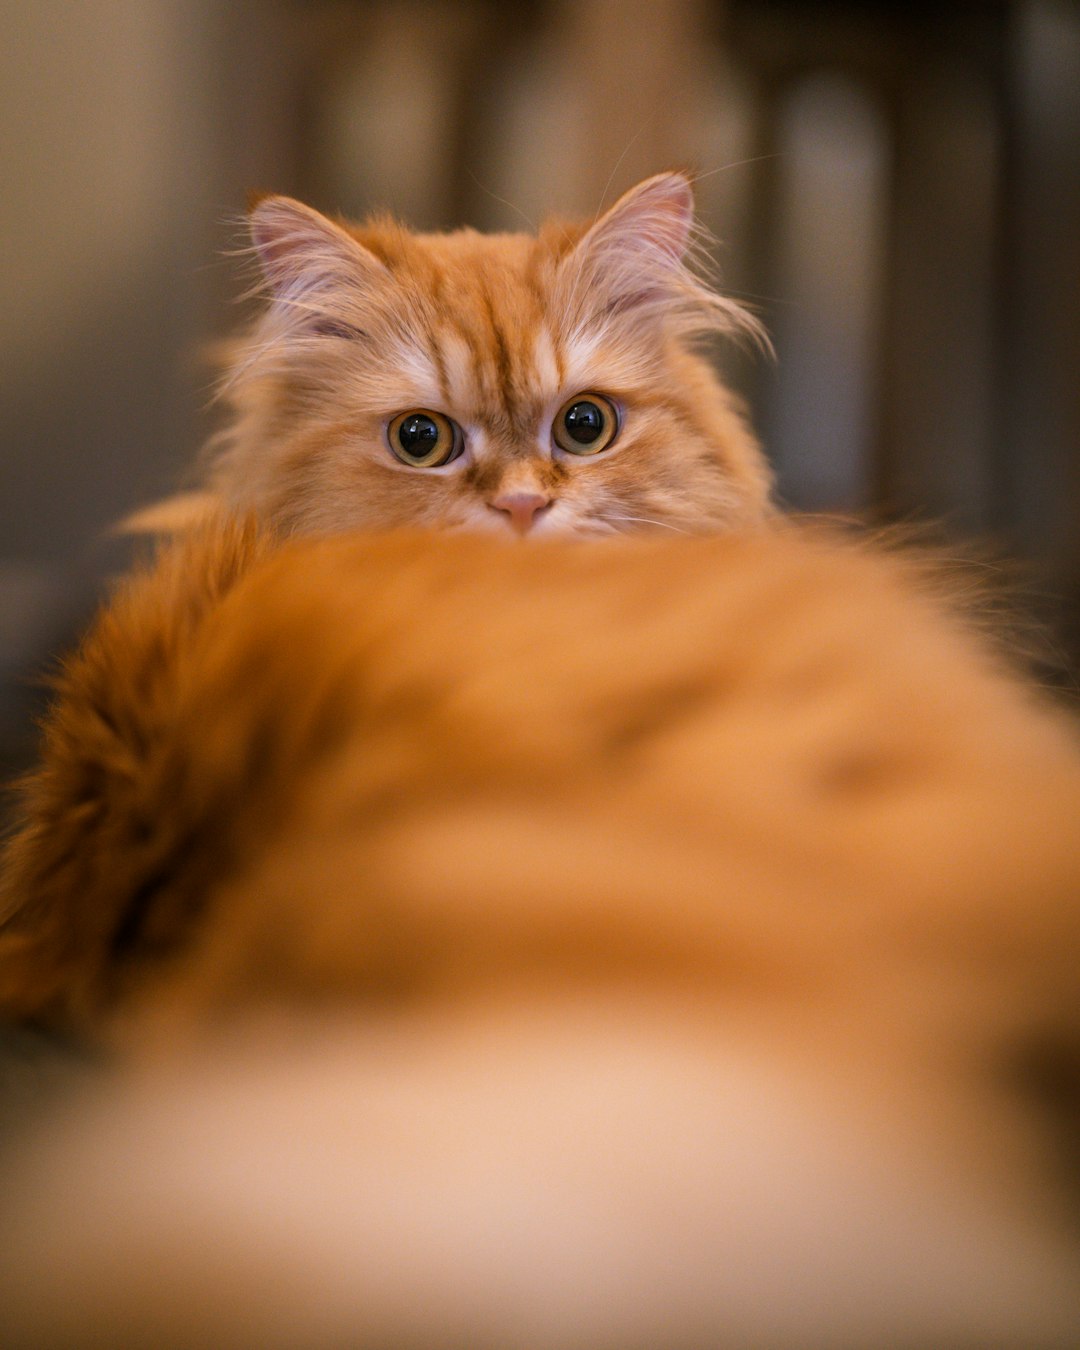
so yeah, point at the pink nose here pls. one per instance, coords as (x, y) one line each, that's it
(522, 508)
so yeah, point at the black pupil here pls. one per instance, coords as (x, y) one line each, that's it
(418, 436)
(584, 422)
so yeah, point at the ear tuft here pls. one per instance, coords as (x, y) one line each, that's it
(650, 225)
(657, 216)
(303, 254)
(633, 261)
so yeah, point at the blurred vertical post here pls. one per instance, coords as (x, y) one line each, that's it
(1039, 394)
(829, 236)
(610, 92)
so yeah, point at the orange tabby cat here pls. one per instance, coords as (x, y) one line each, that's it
(670, 943)
(542, 384)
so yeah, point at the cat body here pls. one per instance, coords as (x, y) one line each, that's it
(668, 942)
(663, 942)
(492, 341)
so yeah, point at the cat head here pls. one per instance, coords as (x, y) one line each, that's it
(524, 384)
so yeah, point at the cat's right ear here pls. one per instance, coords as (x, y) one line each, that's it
(308, 261)
(633, 254)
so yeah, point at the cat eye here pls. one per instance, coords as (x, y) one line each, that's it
(424, 440)
(585, 424)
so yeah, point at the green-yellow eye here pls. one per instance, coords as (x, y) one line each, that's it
(585, 424)
(423, 439)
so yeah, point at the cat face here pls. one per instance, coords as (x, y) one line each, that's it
(512, 383)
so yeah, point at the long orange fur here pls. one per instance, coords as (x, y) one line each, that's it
(726, 875)
(656, 941)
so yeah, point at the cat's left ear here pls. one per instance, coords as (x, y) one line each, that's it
(634, 253)
(312, 264)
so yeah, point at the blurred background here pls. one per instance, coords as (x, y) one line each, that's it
(896, 187)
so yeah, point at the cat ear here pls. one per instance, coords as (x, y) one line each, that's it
(311, 264)
(633, 262)
(634, 253)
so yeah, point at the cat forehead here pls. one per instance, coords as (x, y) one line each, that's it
(456, 264)
(476, 281)
(467, 249)
(487, 362)
(480, 327)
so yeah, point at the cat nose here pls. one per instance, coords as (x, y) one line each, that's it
(522, 508)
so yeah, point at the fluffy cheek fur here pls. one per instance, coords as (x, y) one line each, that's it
(685, 460)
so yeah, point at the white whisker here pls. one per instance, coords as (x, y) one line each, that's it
(647, 520)
(618, 163)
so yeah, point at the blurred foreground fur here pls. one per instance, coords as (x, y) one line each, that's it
(669, 943)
